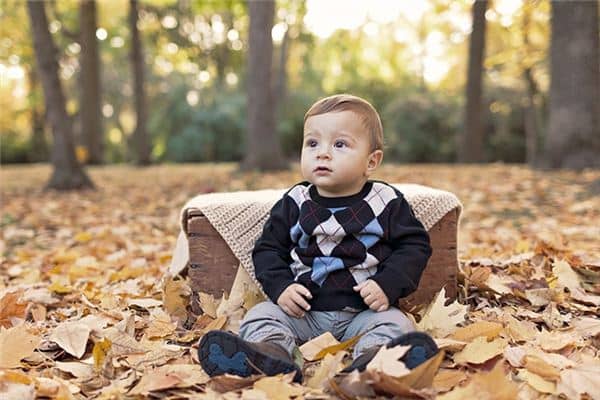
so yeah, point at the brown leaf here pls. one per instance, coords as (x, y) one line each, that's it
(176, 297)
(330, 365)
(439, 319)
(491, 385)
(279, 387)
(16, 343)
(447, 379)
(313, 347)
(170, 376)
(480, 328)
(12, 307)
(480, 350)
(579, 380)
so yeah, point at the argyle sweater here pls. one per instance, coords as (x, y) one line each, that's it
(330, 244)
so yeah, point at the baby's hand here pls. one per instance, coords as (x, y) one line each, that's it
(291, 300)
(373, 295)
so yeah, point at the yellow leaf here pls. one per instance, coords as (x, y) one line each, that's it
(207, 303)
(15, 377)
(176, 297)
(540, 367)
(16, 343)
(12, 306)
(480, 350)
(447, 379)
(99, 353)
(537, 382)
(480, 328)
(83, 237)
(60, 285)
(337, 347)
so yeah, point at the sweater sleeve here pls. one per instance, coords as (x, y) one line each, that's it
(271, 254)
(399, 274)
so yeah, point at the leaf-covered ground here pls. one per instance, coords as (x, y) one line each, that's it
(83, 312)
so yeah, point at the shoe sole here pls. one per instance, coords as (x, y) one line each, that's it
(224, 353)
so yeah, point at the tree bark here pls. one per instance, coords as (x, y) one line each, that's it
(67, 173)
(530, 112)
(263, 150)
(470, 146)
(573, 139)
(38, 143)
(140, 135)
(91, 120)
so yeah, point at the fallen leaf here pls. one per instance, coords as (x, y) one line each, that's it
(313, 347)
(99, 353)
(537, 382)
(12, 306)
(71, 336)
(170, 376)
(144, 303)
(491, 385)
(441, 320)
(77, 369)
(540, 367)
(176, 296)
(480, 350)
(278, 387)
(330, 366)
(447, 379)
(565, 274)
(480, 328)
(579, 380)
(16, 343)
(160, 324)
(208, 304)
(352, 386)
(334, 348)
(387, 361)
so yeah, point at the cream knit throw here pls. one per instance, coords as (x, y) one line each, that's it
(239, 218)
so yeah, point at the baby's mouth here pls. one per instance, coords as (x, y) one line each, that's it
(322, 169)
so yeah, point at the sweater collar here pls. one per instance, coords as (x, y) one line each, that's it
(344, 201)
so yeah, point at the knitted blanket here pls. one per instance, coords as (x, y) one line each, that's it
(239, 218)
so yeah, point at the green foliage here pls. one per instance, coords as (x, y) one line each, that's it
(212, 130)
(421, 127)
(13, 148)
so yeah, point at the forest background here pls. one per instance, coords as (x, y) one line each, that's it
(193, 81)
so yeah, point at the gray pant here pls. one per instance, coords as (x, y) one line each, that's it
(268, 322)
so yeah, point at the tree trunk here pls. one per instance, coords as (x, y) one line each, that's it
(38, 143)
(530, 111)
(91, 120)
(262, 147)
(67, 173)
(573, 139)
(470, 148)
(140, 135)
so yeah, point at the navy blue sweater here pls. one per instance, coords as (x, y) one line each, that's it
(330, 244)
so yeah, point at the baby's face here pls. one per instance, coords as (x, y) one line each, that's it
(336, 153)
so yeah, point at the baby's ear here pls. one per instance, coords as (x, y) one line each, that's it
(375, 159)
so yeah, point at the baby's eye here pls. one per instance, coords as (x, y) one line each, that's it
(311, 143)
(339, 144)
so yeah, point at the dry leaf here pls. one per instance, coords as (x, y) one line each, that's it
(99, 353)
(12, 306)
(169, 376)
(540, 367)
(447, 379)
(146, 303)
(176, 296)
(566, 276)
(208, 304)
(480, 328)
(278, 387)
(579, 380)
(333, 349)
(16, 343)
(72, 337)
(77, 369)
(353, 386)
(537, 382)
(330, 366)
(387, 361)
(441, 320)
(491, 385)
(480, 350)
(313, 347)
(160, 325)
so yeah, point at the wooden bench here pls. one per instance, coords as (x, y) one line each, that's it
(212, 266)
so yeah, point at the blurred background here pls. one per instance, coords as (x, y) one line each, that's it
(155, 81)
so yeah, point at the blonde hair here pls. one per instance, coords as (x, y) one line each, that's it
(347, 102)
